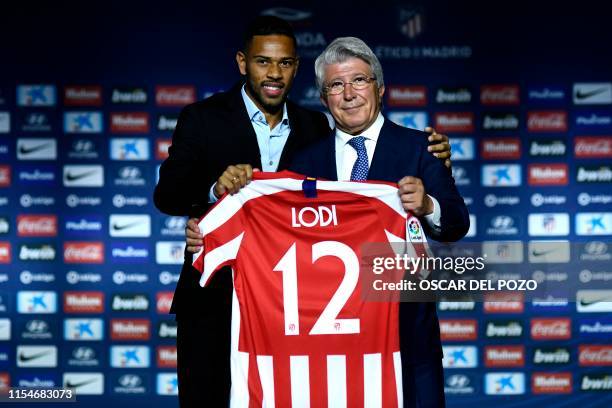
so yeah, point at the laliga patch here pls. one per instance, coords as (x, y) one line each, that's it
(415, 231)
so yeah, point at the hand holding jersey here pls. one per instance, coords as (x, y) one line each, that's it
(413, 196)
(233, 179)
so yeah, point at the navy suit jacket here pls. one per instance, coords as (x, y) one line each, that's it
(403, 152)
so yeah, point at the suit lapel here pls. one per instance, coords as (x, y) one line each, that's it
(385, 155)
(246, 142)
(329, 161)
(294, 139)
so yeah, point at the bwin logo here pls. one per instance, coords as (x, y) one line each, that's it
(130, 381)
(129, 172)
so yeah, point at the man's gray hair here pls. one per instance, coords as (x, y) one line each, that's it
(340, 50)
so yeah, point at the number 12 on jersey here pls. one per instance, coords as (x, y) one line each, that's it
(328, 322)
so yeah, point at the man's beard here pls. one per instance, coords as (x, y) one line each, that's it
(268, 107)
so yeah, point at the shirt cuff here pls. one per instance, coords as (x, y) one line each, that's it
(433, 219)
(212, 198)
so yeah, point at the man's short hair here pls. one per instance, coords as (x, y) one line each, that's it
(340, 50)
(267, 25)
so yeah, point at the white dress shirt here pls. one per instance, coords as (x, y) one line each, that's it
(270, 141)
(346, 156)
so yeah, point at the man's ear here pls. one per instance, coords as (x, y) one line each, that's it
(297, 65)
(323, 100)
(241, 61)
(381, 92)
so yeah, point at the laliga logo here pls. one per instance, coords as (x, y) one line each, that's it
(309, 217)
(413, 227)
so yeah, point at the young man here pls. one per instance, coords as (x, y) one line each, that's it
(251, 123)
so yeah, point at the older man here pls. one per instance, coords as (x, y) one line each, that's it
(367, 146)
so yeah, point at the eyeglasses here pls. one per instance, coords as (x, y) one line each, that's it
(359, 83)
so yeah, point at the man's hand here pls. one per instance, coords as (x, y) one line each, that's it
(233, 179)
(441, 150)
(413, 196)
(193, 236)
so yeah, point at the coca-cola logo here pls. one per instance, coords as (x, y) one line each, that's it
(499, 95)
(595, 355)
(174, 95)
(84, 252)
(547, 121)
(593, 147)
(551, 329)
(37, 225)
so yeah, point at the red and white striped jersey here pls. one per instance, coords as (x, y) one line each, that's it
(302, 333)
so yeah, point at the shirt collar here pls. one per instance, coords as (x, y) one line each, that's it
(370, 133)
(255, 115)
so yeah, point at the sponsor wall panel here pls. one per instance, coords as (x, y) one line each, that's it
(92, 265)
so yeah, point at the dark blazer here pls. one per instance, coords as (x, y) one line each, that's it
(403, 152)
(210, 135)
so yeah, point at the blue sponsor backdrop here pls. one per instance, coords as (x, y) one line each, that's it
(88, 100)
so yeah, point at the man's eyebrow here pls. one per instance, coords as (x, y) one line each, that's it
(351, 76)
(270, 58)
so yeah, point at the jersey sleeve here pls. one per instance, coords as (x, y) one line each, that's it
(223, 228)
